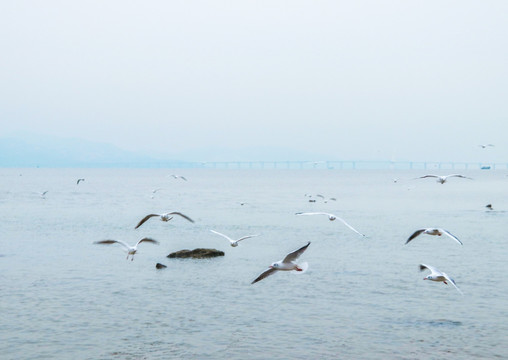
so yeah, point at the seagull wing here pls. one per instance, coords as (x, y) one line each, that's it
(113, 242)
(313, 213)
(266, 273)
(224, 236)
(349, 226)
(458, 175)
(182, 215)
(147, 240)
(321, 196)
(145, 219)
(415, 234)
(452, 282)
(446, 232)
(246, 237)
(432, 269)
(292, 256)
(426, 176)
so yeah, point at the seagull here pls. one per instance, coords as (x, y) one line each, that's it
(325, 199)
(131, 250)
(484, 146)
(286, 264)
(437, 275)
(433, 231)
(331, 217)
(442, 179)
(43, 194)
(178, 177)
(313, 200)
(489, 207)
(154, 191)
(79, 180)
(163, 217)
(234, 243)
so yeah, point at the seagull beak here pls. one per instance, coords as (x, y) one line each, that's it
(271, 267)
(424, 278)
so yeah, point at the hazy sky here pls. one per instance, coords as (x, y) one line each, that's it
(357, 79)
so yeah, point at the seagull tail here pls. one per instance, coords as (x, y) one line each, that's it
(303, 266)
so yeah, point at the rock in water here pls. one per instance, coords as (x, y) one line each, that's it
(160, 266)
(196, 254)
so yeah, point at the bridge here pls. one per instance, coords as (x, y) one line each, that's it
(335, 164)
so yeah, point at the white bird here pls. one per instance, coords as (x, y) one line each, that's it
(286, 264)
(442, 179)
(234, 243)
(131, 250)
(163, 217)
(79, 180)
(43, 194)
(436, 275)
(154, 191)
(178, 177)
(331, 217)
(433, 231)
(484, 146)
(326, 199)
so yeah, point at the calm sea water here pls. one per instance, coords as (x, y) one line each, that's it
(363, 298)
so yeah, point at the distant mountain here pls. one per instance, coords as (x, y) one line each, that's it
(47, 151)
(34, 150)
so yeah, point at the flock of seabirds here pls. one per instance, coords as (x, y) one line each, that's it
(288, 262)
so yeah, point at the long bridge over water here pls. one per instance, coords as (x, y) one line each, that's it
(335, 164)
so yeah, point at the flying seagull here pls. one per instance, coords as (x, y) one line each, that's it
(442, 179)
(325, 199)
(484, 146)
(331, 217)
(163, 217)
(436, 275)
(234, 243)
(489, 207)
(154, 191)
(433, 231)
(79, 180)
(131, 250)
(178, 177)
(286, 264)
(43, 194)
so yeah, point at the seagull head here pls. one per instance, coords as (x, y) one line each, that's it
(274, 266)
(166, 217)
(234, 244)
(428, 277)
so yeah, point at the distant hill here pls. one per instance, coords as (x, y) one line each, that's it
(32, 151)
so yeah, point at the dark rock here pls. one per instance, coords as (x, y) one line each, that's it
(160, 266)
(196, 254)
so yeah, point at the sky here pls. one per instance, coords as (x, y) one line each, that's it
(398, 80)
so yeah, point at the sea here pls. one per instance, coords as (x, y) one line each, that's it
(65, 297)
